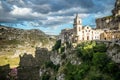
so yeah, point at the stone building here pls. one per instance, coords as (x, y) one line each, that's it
(111, 22)
(66, 35)
(110, 35)
(79, 32)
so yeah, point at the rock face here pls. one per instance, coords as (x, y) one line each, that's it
(15, 42)
(110, 22)
(18, 41)
(114, 52)
(55, 58)
(30, 68)
(52, 65)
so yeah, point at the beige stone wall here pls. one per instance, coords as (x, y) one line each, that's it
(110, 35)
(106, 36)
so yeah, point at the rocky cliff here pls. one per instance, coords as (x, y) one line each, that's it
(111, 22)
(86, 61)
(114, 52)
(15, 42)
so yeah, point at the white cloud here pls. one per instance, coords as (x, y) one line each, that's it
(20, 11)
(106, 12)
(83, 15)
(50, 18)
(49, 32)
(102, 14)
(67, 11)
(27, 13)
(21, 1)
(46, 13)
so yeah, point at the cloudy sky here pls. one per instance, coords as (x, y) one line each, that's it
(52, 15)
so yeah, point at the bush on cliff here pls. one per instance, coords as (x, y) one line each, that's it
(96, 65)
(57, 45)
(100, 48)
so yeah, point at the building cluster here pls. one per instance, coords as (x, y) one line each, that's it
(108, 28)
(79, 33)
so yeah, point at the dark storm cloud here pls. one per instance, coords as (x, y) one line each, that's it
(15, 11)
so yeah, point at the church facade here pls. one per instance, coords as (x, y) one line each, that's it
(84, 33)
(79, 32)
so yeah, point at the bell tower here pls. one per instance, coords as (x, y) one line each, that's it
(77, 24)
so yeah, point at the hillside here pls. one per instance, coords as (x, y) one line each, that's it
(15, 42)
(39, 56)
(86, 61)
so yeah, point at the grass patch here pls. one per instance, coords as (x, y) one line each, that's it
(14, 62)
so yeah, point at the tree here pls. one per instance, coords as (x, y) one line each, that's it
(100, 48)
(100, 60)
(57, 45)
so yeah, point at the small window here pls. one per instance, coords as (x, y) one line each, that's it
(79, 28)
(83, 38)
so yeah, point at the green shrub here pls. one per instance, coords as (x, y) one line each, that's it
(100, 48)
(100, 60)
(85, 52)
(57, 45)
(45, 77)
(96, 77)
(63, 56)
(68, 44)
(75, 72)
(62, 49)
(52, 66)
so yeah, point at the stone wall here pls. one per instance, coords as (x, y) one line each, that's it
(114, 52)
(30, 66)
(110, 35)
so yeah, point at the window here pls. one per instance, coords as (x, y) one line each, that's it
(83, 38)
(79, 28)
(87, 37)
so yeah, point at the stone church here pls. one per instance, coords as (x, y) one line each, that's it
(79, 32)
